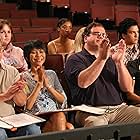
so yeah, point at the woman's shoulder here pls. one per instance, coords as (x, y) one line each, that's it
(52, 42)
(50, 71)
(17, 49)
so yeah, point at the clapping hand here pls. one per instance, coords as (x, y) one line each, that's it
(12, 90)
(20, 97)
(40, 73)
(42, 77)
(118, 55)
(104, 50)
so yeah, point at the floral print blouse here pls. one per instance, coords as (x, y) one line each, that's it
(45, 101)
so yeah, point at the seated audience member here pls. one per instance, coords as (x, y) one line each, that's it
(46, 91)
(11, 93)
(63, 44)
(12, 55)
(134, 69)
(128, 31)
(78, 41)
(98, 77)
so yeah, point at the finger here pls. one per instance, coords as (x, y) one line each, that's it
(13, 129)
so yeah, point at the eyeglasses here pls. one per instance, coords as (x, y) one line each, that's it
(98, 34)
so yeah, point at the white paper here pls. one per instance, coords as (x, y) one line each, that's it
(90, 109)
(85, 108)
(19, 120)
(5, 125)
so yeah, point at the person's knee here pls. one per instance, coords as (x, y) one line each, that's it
(69, 125)
(3, 135)
(58, 117)
(91, 121)
(33, 129)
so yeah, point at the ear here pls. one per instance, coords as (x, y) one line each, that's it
(58, 29)
(123, 36)
(85, 39)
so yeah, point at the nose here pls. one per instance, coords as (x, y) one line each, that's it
(67, 30)
(136, 34)
(38, 53)
(6, 34)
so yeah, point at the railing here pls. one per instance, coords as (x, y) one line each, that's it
(113, 132)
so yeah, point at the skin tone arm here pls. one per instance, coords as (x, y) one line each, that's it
(20, 97)
(90, 74)
(15, 93)
(59, 97)
(133, 97)
(51, 48)
(124, 78)
(43, 81)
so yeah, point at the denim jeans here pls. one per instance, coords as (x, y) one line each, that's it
(23, 131)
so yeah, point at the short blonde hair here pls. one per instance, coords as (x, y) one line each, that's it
(78, 42)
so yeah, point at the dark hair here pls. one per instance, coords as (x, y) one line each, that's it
(124, 25)
(88, 28)
(62, 21)
(29, 46)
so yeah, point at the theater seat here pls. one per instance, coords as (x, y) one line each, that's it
(60, 2)
(113, 36)
(4, 14)
(23, 13)
(102, 12)
(20, 22)
(56, 63)
(80, 6)
(44, 22)
(126, 11)
(23, 37)
(37, 29)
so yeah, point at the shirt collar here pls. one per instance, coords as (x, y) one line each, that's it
(135, 48)
(86, 53)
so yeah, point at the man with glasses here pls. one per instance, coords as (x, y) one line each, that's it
(98, 77)
(11, 93)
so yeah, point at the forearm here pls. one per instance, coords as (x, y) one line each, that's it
(89, 75)
(58, 96)
(20, 98)
(124, 78)
(133, 97)
(32, 98)
(2, 97)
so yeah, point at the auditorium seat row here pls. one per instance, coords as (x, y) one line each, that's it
(114, 10)
(34, 22)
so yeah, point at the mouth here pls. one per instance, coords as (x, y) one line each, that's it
(38, 61)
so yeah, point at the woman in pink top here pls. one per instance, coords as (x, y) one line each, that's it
(12, 55)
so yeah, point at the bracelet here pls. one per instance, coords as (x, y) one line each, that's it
(49, 86)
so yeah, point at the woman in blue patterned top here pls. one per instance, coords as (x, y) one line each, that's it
(45, 91)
